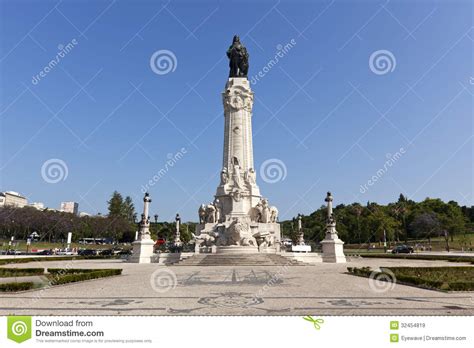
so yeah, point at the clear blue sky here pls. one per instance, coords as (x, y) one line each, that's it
(321, 110)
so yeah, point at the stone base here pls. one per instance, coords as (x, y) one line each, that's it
(237, 249)
(309, 258)
(333, 251)
(301, 248)
(142, 251)
(170, 258)
(256, 228)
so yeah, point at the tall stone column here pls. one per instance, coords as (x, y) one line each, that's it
(300, 231)
(177, 237)
(143, 247)
(238, 190)
(332, 245)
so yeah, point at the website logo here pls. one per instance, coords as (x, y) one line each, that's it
(19, 328)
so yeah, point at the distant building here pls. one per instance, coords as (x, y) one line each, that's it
(70, 207)
(12, 199)
(37, 205)
(83, 213)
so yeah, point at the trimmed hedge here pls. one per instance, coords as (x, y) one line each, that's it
(75, 270)
(10, 287)
(56, 258)
(452, 258)
(72, 270)
(440, 278)
(77, 277)
(20, 272)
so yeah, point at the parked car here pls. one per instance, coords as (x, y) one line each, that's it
(87, 252)
(65, 252)
(14, 252)
(160, 241)
(402, 249)
(107, 252)
(44, 252)
(125, 252)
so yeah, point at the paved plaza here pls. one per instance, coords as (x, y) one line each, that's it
(150, 289)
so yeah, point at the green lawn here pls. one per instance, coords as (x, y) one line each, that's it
(437, 244)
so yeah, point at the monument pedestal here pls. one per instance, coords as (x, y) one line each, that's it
(142, 251)
(333, 250)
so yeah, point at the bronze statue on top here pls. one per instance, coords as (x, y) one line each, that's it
(238, 59)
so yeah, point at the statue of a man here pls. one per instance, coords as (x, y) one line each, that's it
(238, 59)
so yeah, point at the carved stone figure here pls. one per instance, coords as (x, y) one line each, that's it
(252, 176)
(331, 220)
(256, 213)
(206, 239)
(236, 100)
(202, 214)
(224, 176)
(265, 211)
(238, 59)
(236, 195)
(236, 176)
(239, 234)
(210, 213)
(218, 206)
(273, 214)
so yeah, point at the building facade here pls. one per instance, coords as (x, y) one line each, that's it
(12, 199)
(70, 207)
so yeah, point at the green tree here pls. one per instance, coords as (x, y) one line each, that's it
(128, 209)
(116, 205)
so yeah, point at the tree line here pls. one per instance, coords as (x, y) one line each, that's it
(399, 221)
(120, 224)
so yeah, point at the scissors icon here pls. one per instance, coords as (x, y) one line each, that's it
(316, 322)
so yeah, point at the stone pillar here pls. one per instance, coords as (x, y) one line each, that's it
(329, 200)
(143, 246)
(332, 245)
(241, 217)
(238, 191)
(300, 230)
(177, 238)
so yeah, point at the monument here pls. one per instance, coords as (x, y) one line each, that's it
(177, 238)
(300, 245)
(332, 245)
(143, 246)
(239, 219)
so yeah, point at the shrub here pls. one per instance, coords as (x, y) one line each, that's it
(56, 258)
(440, 278)
(20, 272)
(72, 270)
(77, 277)
(9, 287)
(451, 258)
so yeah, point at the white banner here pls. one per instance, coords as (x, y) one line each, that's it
(237, 332)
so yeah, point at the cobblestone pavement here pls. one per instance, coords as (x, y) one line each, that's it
(323, 289)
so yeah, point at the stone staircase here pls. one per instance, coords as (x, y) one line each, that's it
(239, 260)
